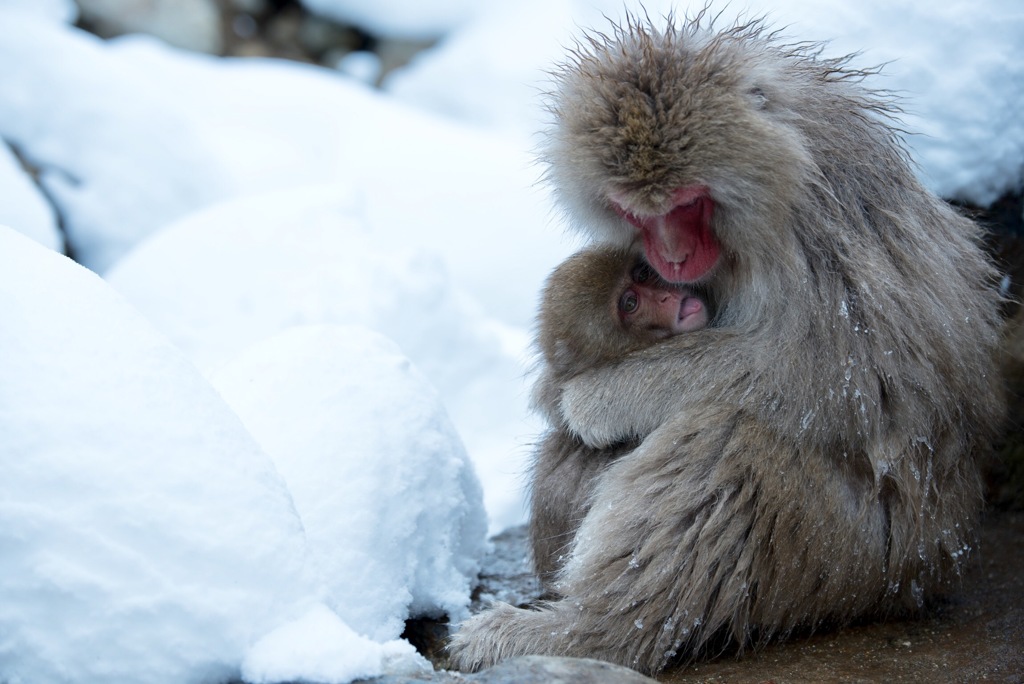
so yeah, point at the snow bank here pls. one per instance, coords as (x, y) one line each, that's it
(24, 208)
(407, 19)
(115, 153)
(392, 510)
(420, 181)
(146, 536)
(258, 265)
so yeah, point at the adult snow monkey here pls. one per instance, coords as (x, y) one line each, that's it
(813, 455)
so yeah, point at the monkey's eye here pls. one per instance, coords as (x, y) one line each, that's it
(628, 303)
(642, 273)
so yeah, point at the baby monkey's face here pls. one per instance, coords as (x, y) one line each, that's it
(647, 302)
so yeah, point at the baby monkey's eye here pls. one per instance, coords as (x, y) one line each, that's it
(642, 273)
(628, 303)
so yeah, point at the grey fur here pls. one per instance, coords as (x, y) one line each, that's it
(579, 328)
(814, 456)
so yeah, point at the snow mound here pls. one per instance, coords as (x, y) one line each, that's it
(24, 207)
(115, 172)
(398, 18)
(418, 181)
(318, 647)
(146, 537)
(392, 509)
(242, 271)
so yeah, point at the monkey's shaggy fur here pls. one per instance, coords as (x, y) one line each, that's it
(813, 456)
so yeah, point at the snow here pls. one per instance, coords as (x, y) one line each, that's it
(382, 561)
(135, 509)
(114, 152)
(283, 423)
(319, 647)
(399, 18)
(25, 207)
(59, 10)
(261, 263)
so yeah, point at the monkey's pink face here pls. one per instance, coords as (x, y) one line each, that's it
(679, 244)
(658, 307)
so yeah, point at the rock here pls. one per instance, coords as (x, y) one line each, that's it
(506, 573)
(534, 670)
(26, 209)
(189, 24)
(545, 670)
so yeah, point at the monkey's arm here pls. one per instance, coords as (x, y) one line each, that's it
(629, 399)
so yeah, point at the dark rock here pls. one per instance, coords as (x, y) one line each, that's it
(506, 574)
(535, 670)
(542, 670)
(190, 24)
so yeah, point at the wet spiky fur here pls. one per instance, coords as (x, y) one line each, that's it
(813, 457)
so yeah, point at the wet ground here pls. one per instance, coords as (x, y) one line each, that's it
(977, 636)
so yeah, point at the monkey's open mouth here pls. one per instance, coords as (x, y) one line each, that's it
(693, 313)
(680, 244)
(689, 307)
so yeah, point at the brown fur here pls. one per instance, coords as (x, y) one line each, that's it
(578, 328)
(814, 456)
(562, 480)
(578, 325)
